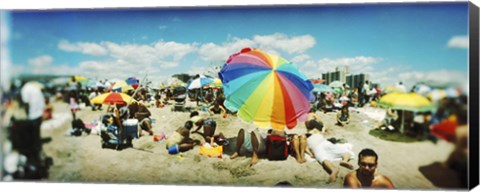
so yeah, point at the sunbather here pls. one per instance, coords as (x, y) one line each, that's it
(253, 142)
(180, 139)
(325, 152)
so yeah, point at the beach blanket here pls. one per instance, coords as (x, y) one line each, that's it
(211, 151)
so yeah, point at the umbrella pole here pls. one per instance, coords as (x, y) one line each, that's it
(403, 121)
(136, 90)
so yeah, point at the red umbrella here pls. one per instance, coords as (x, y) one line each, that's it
(317, 81)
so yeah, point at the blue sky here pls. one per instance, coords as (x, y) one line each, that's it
(391, 42)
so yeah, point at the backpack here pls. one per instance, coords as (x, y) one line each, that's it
(277, 148)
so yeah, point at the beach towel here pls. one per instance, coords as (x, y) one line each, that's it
(211, 151)
(325, 150)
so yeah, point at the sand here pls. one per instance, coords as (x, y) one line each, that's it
(82, 160)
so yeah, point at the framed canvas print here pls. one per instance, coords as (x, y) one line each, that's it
(345, 96)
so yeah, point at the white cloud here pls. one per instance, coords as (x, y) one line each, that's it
(459, 42)
(359, 64)
(40, 61)
(276, 44)
(129, 55)
(296, 44)
(438, 76)
(300, 58)
(176, 50)
(5, 65)
(162, 27)
(212, 52)
(83, 47)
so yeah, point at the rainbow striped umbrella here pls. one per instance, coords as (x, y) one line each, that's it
(266, 89)
(112, 98)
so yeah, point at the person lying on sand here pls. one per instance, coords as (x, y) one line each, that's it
(209, 126)
(314, 122)
(325, 152)
(298, 147)
(365, 175)
(181, 139)
(254, 142)
(299, 142)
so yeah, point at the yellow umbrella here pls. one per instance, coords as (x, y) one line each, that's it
(80, 78)
(437, 94)
(217, 83)
(120, 86)
(390, 88)
(113, 98)
(406, 101)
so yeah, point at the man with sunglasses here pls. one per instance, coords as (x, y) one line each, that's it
(365, 175)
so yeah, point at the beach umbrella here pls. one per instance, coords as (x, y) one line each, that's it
(83, 80)
(200, 82)
(265, 89)
(120, 86)
(391, 88)
(95, 84)
(317, 81)
(59, 81)
(336, 84)
(437, 94)
(406, 101)
(422, 89)
(80, 78)
(322, 88)
(133, 81)
(217, 83)
(112, 98)
(338, 90)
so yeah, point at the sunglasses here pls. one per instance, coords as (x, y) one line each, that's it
(363, 164)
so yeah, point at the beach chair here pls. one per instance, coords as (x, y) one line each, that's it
(180, 97)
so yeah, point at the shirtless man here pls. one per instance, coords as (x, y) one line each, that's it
(365, 175)
(209, 126)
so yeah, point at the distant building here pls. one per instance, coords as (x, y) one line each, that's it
(356, 80)
(341, 75)
(337, 75)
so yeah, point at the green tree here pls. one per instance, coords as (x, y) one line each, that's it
(183, 77)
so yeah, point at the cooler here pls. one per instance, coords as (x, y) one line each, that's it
(130, 127)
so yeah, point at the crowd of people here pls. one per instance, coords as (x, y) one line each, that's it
(269, 142)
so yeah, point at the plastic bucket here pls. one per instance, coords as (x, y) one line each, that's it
(173, 150)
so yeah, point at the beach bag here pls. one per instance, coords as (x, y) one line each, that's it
(277, 148)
